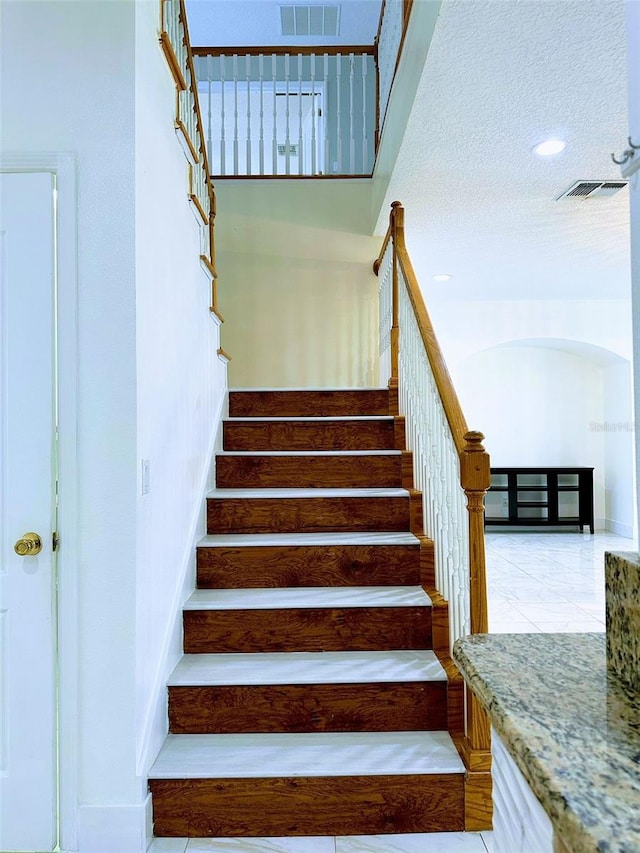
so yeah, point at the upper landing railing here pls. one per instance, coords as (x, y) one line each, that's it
(271, 111)
(174, 40)
(299, 112)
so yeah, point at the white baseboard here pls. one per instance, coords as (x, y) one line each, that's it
(156, 719)
(619, 527)
(155, 726)
(107, 829)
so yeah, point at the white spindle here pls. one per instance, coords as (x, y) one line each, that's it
(261, 77)
(339, 112)
(248, 76)
(314, 109)
(274, 144)
(300, 146)
(388, 47)
(287, 142)
(320, 145)
(209, 115)
(223, 137)
(436, 460)
(235, 114)
(352, 136)
(364, 169)
(385, 314)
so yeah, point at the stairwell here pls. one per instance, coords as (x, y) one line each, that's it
(316, 695)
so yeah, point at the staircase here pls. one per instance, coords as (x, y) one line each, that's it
(316, 695)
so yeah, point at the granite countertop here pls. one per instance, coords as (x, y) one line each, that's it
(571, 726)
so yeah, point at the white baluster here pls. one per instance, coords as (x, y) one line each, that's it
(300, 146)
(436, 463)
(261, 77)
(388, 47)
(352, 136)
(339, 112)
(287, 163)
(274, 142)
(325, 123)
(365, 158)
(235, 114)
(247, 70)
(312, 61)
(209, 116)
(223, 138)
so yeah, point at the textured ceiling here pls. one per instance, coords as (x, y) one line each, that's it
(234, 23)
(500, 77)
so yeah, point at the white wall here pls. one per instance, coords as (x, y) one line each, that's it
(296, 286)
(633, 65)
(540, 405)
(150, 385)
(619, 456)
(181, 387)
(467, 327)
(542, 351)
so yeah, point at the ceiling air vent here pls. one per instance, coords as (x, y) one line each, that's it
(310, 20)
(593, 189)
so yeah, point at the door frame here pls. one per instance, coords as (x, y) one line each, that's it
(63, 166)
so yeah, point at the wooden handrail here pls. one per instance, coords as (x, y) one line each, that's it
(475, 478)
(450, 402)
(197, 148)
(475, 465)
(199, 122)
(281, 50)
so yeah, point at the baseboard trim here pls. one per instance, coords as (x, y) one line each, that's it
(619, 528)
(105, 829)
(156, 719)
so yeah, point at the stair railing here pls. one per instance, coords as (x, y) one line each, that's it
(189, 128)
(451, 467)
(289, 111)
(392, 29)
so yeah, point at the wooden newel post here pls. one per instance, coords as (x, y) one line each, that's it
(476, 479)
(397, 233)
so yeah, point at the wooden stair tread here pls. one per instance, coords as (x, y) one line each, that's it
(306, 754)
(338, 537)
(286, 598)
(306, 668)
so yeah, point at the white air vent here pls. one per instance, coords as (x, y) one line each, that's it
(292, 150)
(593, 189)
(310, 20)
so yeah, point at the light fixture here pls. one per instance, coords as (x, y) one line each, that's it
(549, 147)
(442, 277)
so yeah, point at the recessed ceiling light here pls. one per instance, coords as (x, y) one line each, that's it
(549, 147)
(442, 277)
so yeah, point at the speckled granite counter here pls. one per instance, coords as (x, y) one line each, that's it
(571, 727)
(622, 580)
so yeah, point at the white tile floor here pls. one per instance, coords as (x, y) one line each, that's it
(537, 583)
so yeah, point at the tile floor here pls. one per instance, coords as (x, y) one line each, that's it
(537, 583)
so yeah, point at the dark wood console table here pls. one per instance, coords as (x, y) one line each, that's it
(540, 497)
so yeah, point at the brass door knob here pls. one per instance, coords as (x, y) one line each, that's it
(29, 545)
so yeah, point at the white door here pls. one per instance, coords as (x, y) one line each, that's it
(28, 813)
